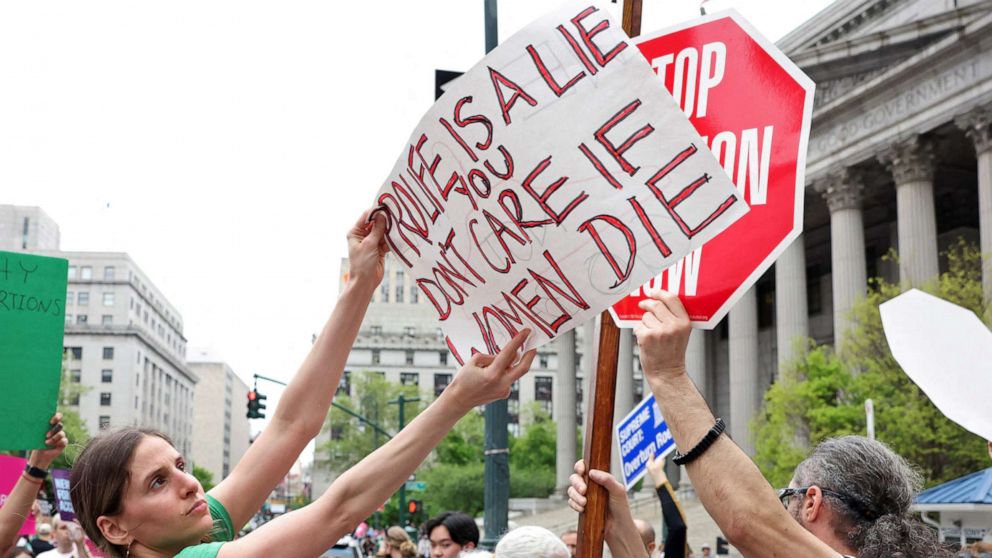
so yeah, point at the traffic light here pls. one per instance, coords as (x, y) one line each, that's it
(255, 405)
(721, 547)
(413, 507)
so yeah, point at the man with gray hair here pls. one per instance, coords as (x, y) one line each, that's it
(531, 542)
(850, 497)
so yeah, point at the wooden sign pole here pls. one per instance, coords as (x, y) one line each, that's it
(599, 433)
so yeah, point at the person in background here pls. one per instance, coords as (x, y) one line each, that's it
(531, 542)
(676, 544)
(706, 550)
(571, 540)
(397, 544)
(18, 505)
(850, 497)
(450, 533)
(69, 541)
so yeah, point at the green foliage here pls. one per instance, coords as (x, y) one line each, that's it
(75, 428)
(205, 477)
(454, 487)
(535, 448)
(464, 444)
(822, 395)
(354, 439)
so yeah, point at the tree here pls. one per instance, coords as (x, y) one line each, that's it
(822, 395)
(72, 423)
(205, 477)
(351, 438)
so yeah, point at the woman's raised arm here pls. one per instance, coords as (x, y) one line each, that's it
(359, 491)
(305, 402)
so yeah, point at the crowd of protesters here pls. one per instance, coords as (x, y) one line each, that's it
(135, 496)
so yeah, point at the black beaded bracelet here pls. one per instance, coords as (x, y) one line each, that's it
(702, 446)
(36, 472)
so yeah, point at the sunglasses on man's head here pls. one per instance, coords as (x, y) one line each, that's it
(785, 493)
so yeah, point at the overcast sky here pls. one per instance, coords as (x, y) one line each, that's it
(227, 146)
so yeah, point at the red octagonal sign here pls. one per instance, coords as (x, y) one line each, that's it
(753, 108)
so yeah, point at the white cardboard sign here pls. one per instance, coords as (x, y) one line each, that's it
(947, 351)
(549, 181)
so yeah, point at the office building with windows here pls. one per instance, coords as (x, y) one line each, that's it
(124, 342)
(221, 434)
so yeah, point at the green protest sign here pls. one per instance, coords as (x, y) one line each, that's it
(32, 323)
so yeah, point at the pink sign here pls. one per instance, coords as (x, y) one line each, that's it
(10, 470)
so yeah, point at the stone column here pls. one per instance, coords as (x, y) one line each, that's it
(624, 401)
(912, 165)
(978, 126)
(565, 412)
(744, 392)
(843, 191)
(791, 314)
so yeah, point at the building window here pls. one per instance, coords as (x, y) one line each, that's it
(513, 403)
(384, 289)
(72, 272)
(108, 353)
(814, 298)
(68, 318)
(410, 378)
(108, 273)
(766, 304)
(104, 422)
(414, 294)
(375, 356)
(399, 285)
(443, 357)
(86, 272)
(543, 387)
(75, 353)
(441, 381)
(409, 331)
(83, 299)
(542, 360)
(344, 384)
(106, 376)
(108, 299)
(409, 356)
(105, 399)
(69, 297)
(82, 318)
(376, 330)
(107, 319)
(76, 375)
(74, 399)
(579, 399)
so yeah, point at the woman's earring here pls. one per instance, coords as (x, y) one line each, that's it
(128, 554)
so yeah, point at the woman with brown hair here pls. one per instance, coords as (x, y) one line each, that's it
(135, 496)
(397, 544)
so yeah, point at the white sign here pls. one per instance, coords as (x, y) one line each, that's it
(553, 178)
(947, 351)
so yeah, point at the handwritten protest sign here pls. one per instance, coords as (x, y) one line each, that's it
(11, 469)
(32, 321)
(63, 502)
(549, 181)
(946, 350)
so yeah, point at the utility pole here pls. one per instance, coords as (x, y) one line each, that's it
(497, 468)
(402, 401)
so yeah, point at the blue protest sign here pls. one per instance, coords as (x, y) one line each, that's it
(641, 434)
